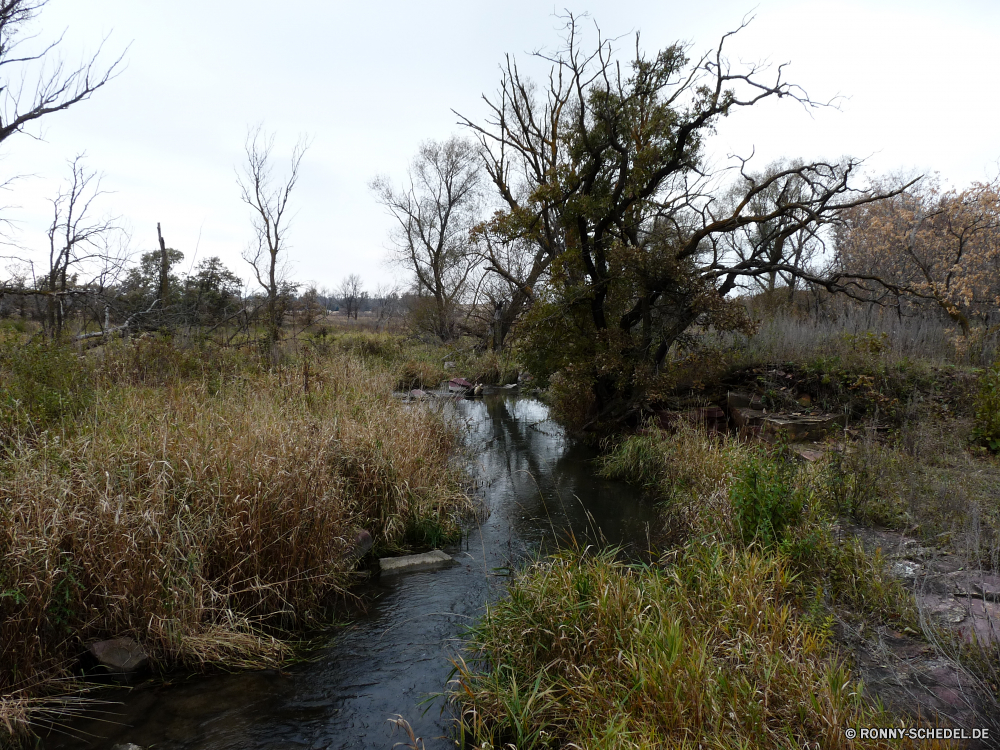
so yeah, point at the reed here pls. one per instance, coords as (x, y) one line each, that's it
(205, 508)
(727, 642)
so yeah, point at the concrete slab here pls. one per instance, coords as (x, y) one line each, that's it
(801, 426)
(414, 562)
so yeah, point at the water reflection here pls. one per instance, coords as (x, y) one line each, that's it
(537, 487)
(543, 486)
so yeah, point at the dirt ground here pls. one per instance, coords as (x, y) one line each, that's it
(914, 673)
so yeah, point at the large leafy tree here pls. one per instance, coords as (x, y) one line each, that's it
(625, 232)
(142, 285)
(212, 293)
(155, 295)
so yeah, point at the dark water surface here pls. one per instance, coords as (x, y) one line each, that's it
(537, 487)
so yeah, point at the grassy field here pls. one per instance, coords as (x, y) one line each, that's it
(196, 501)
(705, 652)
(725, 642)
(421, 364)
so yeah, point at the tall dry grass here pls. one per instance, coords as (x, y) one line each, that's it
(684, 462)
(686, 471)
(851, 331)
(725, 490)
(205, 508)
(419, 363)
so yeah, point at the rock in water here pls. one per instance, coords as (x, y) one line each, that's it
(407, 563)
(362, 543)
(119, 655)
(126, 746)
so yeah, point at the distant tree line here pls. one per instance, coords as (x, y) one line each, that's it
(156, 293)
(91, 286)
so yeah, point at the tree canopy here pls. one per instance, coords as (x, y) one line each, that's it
(604, 182)
(934, 245)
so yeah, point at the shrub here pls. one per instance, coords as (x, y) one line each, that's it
(571, 394)
(418, 374)
(987, 414)
(764, 500)
(382, 346)
(859, 483)
(43, 384)
(687, 462)
(205, 523)
(831, 572)
(867, 342)
(590, 652)
(493, 368)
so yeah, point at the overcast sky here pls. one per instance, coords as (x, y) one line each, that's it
(367, 82)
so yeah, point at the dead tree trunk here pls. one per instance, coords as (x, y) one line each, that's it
(164, 267)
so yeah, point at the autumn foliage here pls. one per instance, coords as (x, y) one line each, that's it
(933, 245)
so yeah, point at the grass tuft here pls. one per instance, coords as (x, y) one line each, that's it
(708, 652)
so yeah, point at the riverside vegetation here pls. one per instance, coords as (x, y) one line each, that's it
(204, 503)
(203, 499)
(735, 635)
(195, 500)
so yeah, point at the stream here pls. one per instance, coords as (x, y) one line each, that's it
(537, 488)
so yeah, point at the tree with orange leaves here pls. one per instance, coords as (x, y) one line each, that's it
(940, 246)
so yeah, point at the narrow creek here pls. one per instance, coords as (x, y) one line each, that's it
(537, 488)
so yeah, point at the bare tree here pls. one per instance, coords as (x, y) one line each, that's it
(37, 83)
(34, 83)
(385, 305)
(79, 243)
(435, 213)
(268, 197)
(780, 240)
(352, 294)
